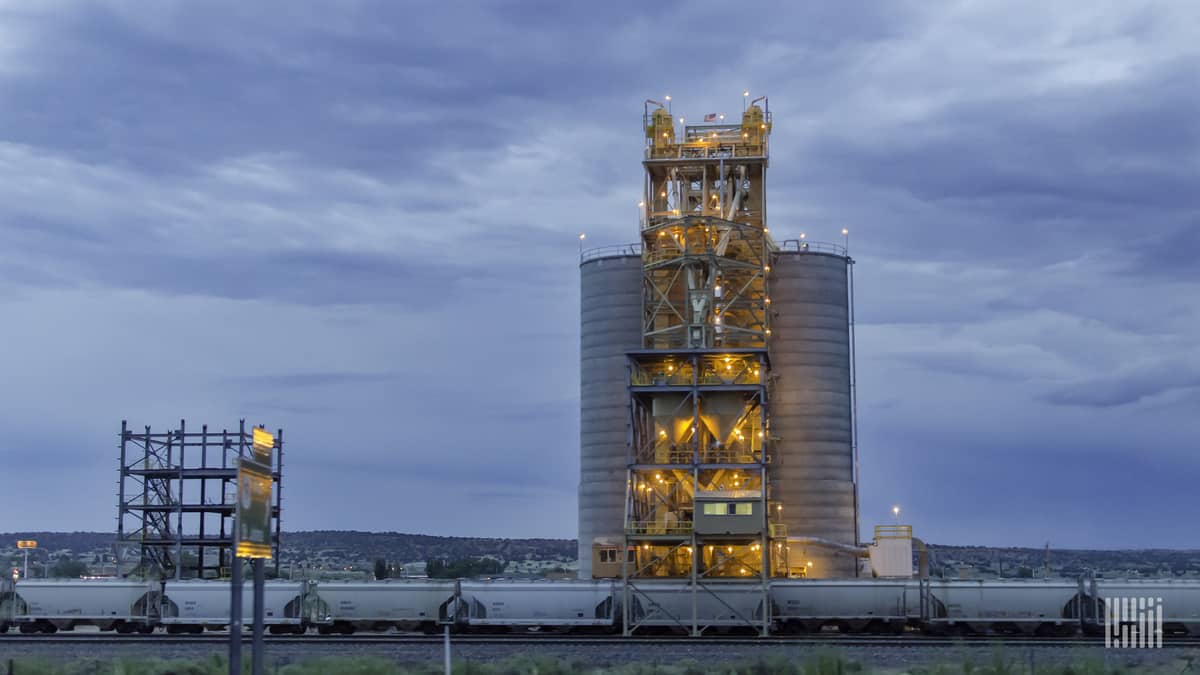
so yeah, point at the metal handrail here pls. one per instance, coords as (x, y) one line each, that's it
(615, 251)
(893, 531)
(660, 218)
(806, 246)
(787, 245)
(708, 150)
(730, 456)
(644, 377)
(653, 527)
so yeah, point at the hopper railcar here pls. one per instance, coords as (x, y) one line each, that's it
(1026, 607)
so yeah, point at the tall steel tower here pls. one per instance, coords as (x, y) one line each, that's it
(696, 487)
(714, 495)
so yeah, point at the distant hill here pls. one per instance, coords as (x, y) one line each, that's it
(355, 548)
(1017, 561)
(77, 542)
(399, 547)
(343, 544)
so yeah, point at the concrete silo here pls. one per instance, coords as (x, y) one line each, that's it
(610, 326)
(812, 429)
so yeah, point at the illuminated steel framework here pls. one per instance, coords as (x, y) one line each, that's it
(697, 505)
(177, 498)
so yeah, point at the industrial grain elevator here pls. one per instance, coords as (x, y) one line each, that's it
(717, 405)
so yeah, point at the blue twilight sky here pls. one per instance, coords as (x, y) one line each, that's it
(359, 220)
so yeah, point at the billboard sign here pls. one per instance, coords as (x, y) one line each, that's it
(253, 511)
(264, 442)
(254, 499)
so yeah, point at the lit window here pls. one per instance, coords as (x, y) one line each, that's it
(745, 509)
(714, 509)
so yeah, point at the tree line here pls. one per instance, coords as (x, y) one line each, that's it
(443, 569)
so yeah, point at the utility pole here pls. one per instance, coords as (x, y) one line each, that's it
(25, 545)
(235, 614)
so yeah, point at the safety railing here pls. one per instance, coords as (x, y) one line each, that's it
(650, 527)
(664, 253)
(641, 377)
(742, 217)
(728, 455)
(806, 246)
(893, 531)
(658, 454)
(742, 375)
(777, 530)
(706, 150)
(615, 251)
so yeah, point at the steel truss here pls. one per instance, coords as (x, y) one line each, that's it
(177, 498)
(699, 432)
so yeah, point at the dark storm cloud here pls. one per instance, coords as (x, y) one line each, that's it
(1033, 177)
(1170, 256)
(1058, 485)
(395, 192)
(311, 379)
(1115, 390)
(317, 277)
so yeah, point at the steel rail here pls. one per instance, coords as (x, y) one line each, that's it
(220, 637)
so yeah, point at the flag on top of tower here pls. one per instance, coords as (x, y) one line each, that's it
(710, 117)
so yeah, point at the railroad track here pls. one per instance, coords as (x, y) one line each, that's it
(562, 640)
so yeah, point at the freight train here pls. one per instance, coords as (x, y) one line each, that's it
(1019, 607)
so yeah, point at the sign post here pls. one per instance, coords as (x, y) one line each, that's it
(25, 545)
(252, 541)
(447, 616)
(235, 614)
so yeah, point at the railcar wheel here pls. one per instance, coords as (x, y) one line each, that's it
(1005, 628)
(146, 629)
(1052, 630)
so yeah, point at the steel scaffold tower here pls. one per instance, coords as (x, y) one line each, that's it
(698, 515)
(177, 498)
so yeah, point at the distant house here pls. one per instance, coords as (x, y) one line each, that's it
(413, 570)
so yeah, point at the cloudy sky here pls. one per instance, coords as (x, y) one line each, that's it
(358, 221)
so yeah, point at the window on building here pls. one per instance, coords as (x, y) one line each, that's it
(729, 509)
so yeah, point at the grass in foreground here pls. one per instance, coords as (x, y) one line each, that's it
(820, 663)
